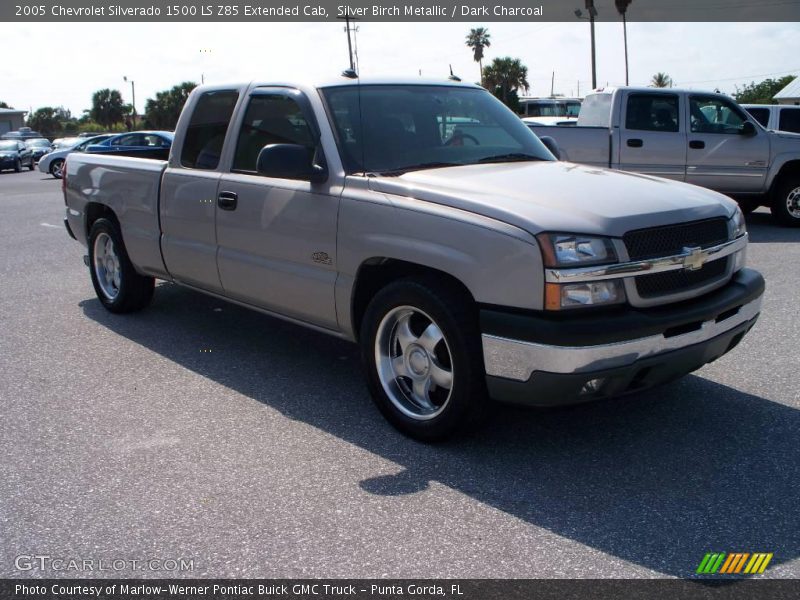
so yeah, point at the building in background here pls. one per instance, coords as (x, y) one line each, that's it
(790, 94)
(11, 120)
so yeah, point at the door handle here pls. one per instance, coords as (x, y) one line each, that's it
(227, 200)
(635, 143)
(697, 144)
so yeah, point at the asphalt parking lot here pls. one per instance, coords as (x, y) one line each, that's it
(200, 430)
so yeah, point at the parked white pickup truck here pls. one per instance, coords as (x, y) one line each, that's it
(779, 117)
(426, 222)
(701, 138)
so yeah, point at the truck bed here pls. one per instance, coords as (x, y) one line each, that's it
(130, 187)
(586, 145)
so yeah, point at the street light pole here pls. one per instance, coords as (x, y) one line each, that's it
(622, 8)
(133, 100)
(592, 14)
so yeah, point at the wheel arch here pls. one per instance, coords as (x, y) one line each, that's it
(377, 272)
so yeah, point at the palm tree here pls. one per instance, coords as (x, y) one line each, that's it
(478, 39)
(505, 76)
(107, 107)
(661, 80)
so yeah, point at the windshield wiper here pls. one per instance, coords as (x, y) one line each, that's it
(417, 167)
(511, 157)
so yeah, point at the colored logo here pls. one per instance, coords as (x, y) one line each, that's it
(744, 563)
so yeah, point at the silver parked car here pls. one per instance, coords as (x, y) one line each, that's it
(53, 162)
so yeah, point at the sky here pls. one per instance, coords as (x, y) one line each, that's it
(66, 62)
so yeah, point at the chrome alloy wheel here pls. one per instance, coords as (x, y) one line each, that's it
(793, 203)
(414, 363)
(107, 268)
(56, 169)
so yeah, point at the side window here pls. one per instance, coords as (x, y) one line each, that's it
(208, 125)
(270, 119)
(760, 114)
(790, 120)
(711, 114)
(134, 139)
(652, 112)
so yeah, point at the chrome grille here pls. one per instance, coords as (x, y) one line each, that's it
(656, 242)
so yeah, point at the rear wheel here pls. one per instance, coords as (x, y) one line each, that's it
(786, 202)
(17, 166)
(32, 165)
(420, 345)
(117, 284)
(56, 168)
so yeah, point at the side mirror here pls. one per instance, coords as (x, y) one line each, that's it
(551, 145)
(290, 161)
(748, 129)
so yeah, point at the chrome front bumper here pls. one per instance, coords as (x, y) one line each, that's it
(519, 360)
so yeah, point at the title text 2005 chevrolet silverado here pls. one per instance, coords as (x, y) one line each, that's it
(427, 223)
(701, 138)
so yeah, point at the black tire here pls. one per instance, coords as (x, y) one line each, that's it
(17, 166)
(455, 314)
(32, 165)
(55, 167)
(786, 201)
(134, 291)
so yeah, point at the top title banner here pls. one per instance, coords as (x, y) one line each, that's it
(399, 10)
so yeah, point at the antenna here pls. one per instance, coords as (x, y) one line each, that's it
(452, 76)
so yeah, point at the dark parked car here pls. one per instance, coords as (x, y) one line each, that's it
(39, 147)
(14, 155)
(23, 133)
(141, 144)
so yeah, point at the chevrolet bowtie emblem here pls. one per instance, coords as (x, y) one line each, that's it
(694, 259)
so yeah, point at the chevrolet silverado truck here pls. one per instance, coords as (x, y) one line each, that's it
(427, 223)
(701, 138)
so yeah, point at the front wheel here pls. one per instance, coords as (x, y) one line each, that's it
(117, 284)
(32, 165)
(420, 345)
(56, 168)
(17, 166)
(786, 202)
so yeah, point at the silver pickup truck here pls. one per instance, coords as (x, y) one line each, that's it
(426, 222)
(701, 138)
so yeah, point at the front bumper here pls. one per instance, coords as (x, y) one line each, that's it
(566, 358)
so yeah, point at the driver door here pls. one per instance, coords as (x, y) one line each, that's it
(719, 156)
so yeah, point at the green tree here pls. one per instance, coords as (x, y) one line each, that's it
(661, 80)
(762, 93)
(478, 39)
(162, 112)
(4, 105)
(52, 122)
(506, 77)
(107, 107)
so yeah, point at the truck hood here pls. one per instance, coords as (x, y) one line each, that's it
(560, 196)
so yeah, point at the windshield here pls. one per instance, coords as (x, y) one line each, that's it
(399, 128)
(4, 145)
(39, 143)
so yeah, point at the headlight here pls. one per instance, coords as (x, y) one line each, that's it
(739, 225)
(570, 250)
(565, 250)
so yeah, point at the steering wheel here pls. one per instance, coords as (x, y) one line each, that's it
(458, 138)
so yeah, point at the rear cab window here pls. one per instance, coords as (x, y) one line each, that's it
(208, 125)
(789, 120)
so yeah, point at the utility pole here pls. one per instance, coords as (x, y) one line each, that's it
(553, 85)
(347, 19)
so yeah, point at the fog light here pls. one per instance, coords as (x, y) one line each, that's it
(592, 386)
(740, 259)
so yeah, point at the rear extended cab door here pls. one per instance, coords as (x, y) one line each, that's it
(719, 156)
(189, 187)
(276, 236)
(652, 134)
